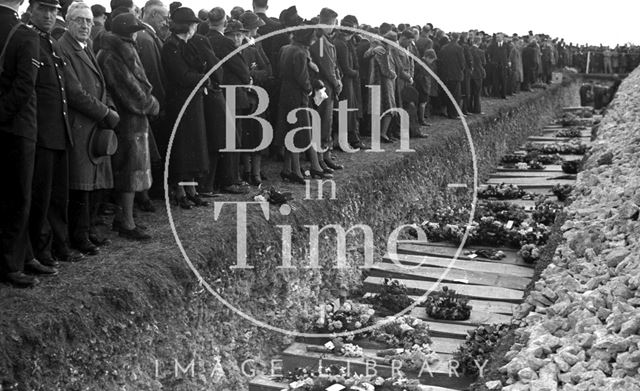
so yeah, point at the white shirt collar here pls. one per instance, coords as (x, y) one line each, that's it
(83, 45)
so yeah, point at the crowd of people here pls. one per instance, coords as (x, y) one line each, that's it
(89, 100)
(603, 59)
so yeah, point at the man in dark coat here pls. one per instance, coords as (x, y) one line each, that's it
(477, 75)
(498, 53)
(451, 66)
(350, 68)
(88, 111)
(330, 75)
(48, 222)
(155, 19)
(466, 82)
(18, 133)
(235, 72)
(529, 66)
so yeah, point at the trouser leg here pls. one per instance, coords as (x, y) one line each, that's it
(17, 156)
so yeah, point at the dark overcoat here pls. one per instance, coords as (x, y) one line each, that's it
(131, 92)
(295, 90)
(185, 67)
(451, 62)
(350, 69)
(88, 105)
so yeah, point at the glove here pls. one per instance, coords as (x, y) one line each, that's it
(111, 119)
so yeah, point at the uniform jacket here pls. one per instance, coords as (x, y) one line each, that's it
(88, 105)
(53, 125)
(17, 82)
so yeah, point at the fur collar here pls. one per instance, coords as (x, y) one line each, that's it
(125, 50)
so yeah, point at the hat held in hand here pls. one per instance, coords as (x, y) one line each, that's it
(103, 143)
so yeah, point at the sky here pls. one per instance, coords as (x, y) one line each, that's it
(607, 22)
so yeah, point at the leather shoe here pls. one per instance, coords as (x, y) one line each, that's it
(134, 234)
(360, 145)
(49, 262)
(35, 267)
(85, 246)
(21, 280)
(235, 189)
(98, 241)
(146, 206)
(333, 165)
(115, 227)
(71, 256)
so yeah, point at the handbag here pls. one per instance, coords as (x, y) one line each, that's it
(6, 44)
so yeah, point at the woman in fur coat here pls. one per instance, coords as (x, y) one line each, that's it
(131, 91)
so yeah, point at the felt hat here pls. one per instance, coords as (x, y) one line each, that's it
(103, 143)
(289, 17)
(234, 26)
(250, 20)
(126, 24)
(184, 15)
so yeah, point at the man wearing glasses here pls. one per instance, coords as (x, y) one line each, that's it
(89, 114)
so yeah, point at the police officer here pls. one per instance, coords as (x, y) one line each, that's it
(17, 141)
(48, 219)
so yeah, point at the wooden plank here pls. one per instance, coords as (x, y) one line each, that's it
(374, 284)
(544, 174)
(565, 157)
(531, 182)
(477, 318)
(554, 139)
(478, 266)
(448, 250)
(547, 168)
(425, 273)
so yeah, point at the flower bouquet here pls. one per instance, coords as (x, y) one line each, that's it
(563, 148)
(448, 305)
(479, 345)
(562, 191)
(530, 253)
(501, 210)
(502, 192)
(349, 316)
(570, 132)
(403, 332)
(393, 298)
(571, 166)
(308, 380)
(413, 358)
(546, 212)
